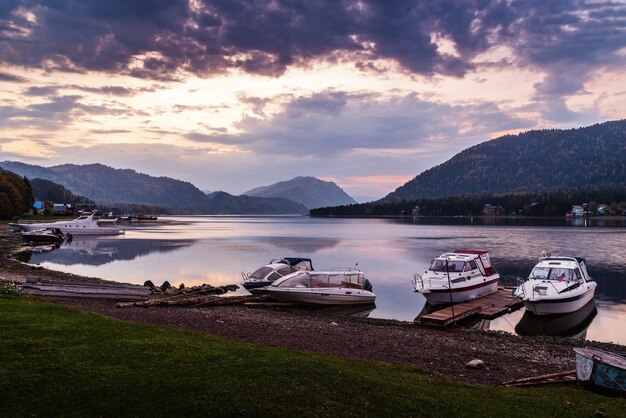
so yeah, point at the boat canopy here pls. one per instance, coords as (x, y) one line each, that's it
(463, 260)
(277, 270)
(297, 262)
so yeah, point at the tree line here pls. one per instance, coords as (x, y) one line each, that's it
(550, 203)
(16, 195)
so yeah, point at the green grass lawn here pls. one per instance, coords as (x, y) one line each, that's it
(56, 361)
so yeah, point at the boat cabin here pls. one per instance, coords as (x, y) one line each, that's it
(560, 269)
(309, 279)
(462, 261)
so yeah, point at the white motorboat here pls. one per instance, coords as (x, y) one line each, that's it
(83, 225)
(557, 285)
(274, 270)
(457, 277)
(342, 287)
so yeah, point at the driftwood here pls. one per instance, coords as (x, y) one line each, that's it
(196, 301)
(560, 377)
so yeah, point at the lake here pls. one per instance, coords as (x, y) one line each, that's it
(216, 249)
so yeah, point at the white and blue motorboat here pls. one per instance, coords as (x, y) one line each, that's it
(557, 285)
(274, 270)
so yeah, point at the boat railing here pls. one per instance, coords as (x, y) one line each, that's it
(537, 288)
(245, 276)
(350, 270)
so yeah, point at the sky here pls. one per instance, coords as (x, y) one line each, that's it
(232, 94)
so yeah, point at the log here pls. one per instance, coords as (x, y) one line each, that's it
(540, 378)
(562, 379)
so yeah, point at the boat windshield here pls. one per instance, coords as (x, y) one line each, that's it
(561, 274)
(259, 274)
(453, 266)
(352, 280)
(556, 274)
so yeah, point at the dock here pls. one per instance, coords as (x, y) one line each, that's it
(486, 307)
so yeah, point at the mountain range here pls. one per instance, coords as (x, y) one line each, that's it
(308, 191)
(109, 187)
(533, 161)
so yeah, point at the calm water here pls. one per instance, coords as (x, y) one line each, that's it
(216, 249)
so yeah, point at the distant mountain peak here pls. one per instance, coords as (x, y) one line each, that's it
(309, 191)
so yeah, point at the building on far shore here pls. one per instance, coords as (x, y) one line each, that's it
(491, 210)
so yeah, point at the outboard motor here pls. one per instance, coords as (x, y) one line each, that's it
(367, 285)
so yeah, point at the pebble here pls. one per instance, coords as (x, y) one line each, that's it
(475, 364)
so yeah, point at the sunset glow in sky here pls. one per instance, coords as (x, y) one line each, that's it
(234, 94)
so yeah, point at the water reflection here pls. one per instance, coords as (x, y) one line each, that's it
(216, 249)
(97, 251)
(301, 245)
(573, 324)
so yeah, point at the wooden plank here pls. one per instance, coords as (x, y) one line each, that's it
(87, 290)
(446, 318)
(487, 307)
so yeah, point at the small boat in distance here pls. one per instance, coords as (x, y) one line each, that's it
(274, 270)
(557, 285)
(83, 225)
(457, 277)
(340, 287)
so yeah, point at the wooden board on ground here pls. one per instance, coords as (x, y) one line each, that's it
(86, 290)
(486, 307)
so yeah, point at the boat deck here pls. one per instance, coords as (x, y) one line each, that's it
(486, 307)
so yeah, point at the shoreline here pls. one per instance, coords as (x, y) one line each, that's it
(442, 351)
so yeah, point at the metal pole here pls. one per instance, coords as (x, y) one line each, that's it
(450, 292)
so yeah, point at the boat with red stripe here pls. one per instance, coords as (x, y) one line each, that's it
(457, 277)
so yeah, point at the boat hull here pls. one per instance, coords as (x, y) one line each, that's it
(559, 306)
(308, 296)
(458, 295)
(42, 238)
(75, 230)
(601, 371)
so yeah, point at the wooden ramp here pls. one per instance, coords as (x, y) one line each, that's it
(487, 307)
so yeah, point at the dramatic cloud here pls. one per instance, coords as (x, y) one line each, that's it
(362, 91)
(11, 78)
(156, 38)
(329, 123)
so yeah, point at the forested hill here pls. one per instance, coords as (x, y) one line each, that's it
(16, 195)
(534, 161)
(111, 188)
(105, 184)
(309, 191)
(49, 191)
(224, 203)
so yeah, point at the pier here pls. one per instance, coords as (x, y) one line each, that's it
(486, 307)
